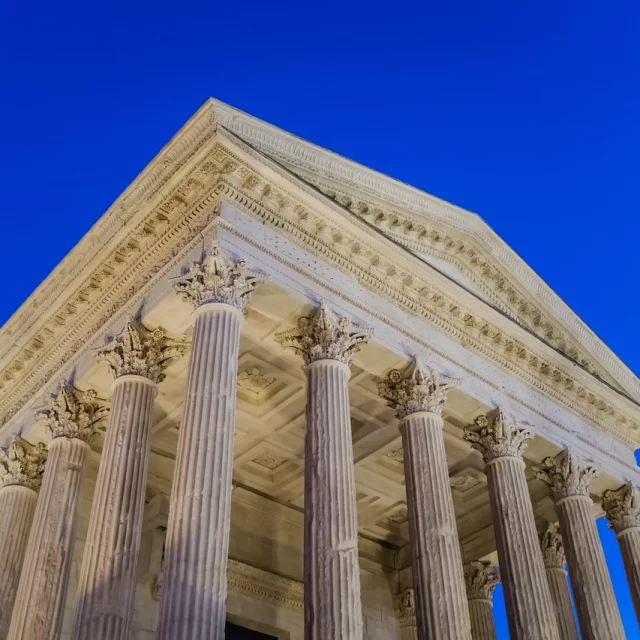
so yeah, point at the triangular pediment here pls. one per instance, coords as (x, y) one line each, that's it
(456, 242)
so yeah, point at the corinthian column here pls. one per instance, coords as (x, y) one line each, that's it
(553, 555)
(332, 608)
(406, 607)
(568, 479)
(502, 440)
(481, 579)
(21, 466)
(622, 507)
(107, 582)
(71, 417)
(195, 560)
(418, 395)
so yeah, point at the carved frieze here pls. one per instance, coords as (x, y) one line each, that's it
(72, 413)
(416, 389)
(566, 475)
(22, 463)
(325, 336)
(498, 435)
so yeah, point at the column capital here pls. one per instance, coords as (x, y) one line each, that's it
(552, 547)
(622, 507)
(416, 389)
(138, 351)
(72, 413)
(481, 579)
(498, 435)
(217, 279)
(406, 605)
(325, 336)
(22, 464)
(566, 475)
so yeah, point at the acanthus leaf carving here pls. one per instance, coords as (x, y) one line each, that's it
(72, 413)
(139, 351)
(498, 435)
(622, 507)
(566, 475)
(416, 389)
(325, 336)
(22, 463)
(218, 279)
(480, 578)
(552, 547)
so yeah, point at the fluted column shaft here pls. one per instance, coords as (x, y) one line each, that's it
(629, 541)
(440, 597)
(39, 607)
(195, 562)
(530, 611)
(559, 588)
(482, 625)
(331, 568)
(596, 604)
(108, 576)
(17, 506)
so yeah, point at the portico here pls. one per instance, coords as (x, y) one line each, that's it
(294, 491)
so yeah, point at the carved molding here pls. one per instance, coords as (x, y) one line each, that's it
(566, 475)
(406, 607)
(138, 351)
(622, 507)
(22, 464)
(325, 336)
(498, 435)
(416, 389)
(480, 578)
(72, 413)
(552, 547)
(217, 279)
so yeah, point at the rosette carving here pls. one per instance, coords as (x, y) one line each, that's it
(416, 389)
(498, 435)
(22, 464)
(72, 413)
(622, 507)
(552, 547)
(138, 351)
(480, 579)
(325, 336)
(217, 278)
(566, 475)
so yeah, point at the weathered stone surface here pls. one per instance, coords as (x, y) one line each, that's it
(554, 561)
(501, 440)
(481, 579)
(406, 608)
(568, 478)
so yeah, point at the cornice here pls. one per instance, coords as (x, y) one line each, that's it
(522, 293)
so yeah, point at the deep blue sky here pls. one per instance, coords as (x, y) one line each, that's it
(526, 114)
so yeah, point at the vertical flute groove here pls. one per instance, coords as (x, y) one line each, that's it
(629, 541)
(530, 610)
(482, 625)
(107, 582)
(332, 575)
(559, 588)
(440, 595)
(17, 506)
(596, 604)
(39, 607)
(197, 543)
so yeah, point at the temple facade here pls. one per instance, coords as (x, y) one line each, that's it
(275, 392)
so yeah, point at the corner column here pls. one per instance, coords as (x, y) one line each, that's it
(622, 507)
(502, 440)
(71, 417)
(481, 579)
(568, 479)
(553, 555)
(332, 607)
(418, 395)
(194, 589)
(21, 467)
(107, 582)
